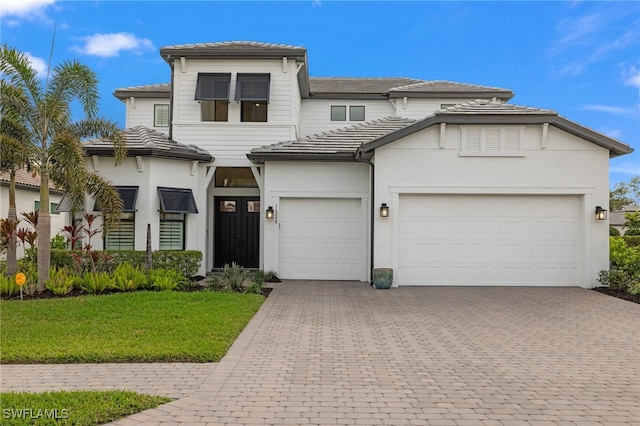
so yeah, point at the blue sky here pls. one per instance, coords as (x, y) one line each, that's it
(579, 58)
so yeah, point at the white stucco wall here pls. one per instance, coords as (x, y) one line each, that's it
(155, 172)
(420, 163)
(310, 180)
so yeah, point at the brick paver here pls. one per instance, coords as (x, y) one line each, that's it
(342, 353)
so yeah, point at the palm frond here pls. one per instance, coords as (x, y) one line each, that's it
(107, 197)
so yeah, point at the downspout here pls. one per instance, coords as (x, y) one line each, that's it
(171, 98)
(358, 157)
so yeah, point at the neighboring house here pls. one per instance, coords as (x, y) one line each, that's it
(617, 218)
(327, 178)
(28, 200)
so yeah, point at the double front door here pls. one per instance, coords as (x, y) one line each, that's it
(237, 231)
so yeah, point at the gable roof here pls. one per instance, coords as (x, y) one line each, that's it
(147, 142)
(337, 145)
(161, 90)
(487, 112)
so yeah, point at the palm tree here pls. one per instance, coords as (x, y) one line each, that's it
(56, 139)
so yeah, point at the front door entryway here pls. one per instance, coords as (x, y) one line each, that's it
(237, 231)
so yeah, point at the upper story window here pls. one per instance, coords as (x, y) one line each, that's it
(356, 113)
(252, 91)
(161, 115)
(339, 113)
(212, 90)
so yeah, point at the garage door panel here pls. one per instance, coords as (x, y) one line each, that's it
(321, 239)
(489, 240)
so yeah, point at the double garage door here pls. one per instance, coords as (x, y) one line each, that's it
(489, 240)
(322, 239)
(440, 239)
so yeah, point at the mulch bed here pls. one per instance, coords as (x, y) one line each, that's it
(620, 294)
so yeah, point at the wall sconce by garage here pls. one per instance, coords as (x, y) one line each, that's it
(271, 214)
(601, 214)
(384, 210)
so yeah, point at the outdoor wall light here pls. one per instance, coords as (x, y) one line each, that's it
(270, 213)
(601, 214)
(384, 210)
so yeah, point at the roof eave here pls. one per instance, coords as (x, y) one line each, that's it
(262, 157)
(124, 94)
(211, 53)
(358, 96)
(502, 95)
(151, 152)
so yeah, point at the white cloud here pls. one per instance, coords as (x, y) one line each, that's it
(38, 64)
(110, 45)
(585, 39)
(629, 168)
(609, 109)
(23, 8)
(633, 77)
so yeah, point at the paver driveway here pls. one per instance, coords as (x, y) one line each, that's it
(344, 353)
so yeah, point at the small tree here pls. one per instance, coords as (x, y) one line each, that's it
(56, 140)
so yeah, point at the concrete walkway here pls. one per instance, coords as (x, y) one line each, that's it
(343, 353)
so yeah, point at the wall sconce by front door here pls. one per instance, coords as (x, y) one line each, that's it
(270, 213)
(384, 210)
(601, 214)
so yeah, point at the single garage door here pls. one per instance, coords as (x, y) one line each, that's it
(489, 240)
(322, 238)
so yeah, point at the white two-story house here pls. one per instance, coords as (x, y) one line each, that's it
(245, 157)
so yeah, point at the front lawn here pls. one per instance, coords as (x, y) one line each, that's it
(79, 408)
(142, 326)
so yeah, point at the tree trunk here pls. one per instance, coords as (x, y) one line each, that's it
(12, 262)
(44, 232)
(149, 261)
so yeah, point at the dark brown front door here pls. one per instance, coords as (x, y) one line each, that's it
(237, 231)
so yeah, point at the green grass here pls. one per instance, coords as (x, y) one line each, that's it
(142, 326)
(80, 408)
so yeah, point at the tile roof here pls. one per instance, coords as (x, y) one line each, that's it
(233, 45)
(161, 90)
(485, 107)
(482, 112)
(337, 144)
(357, 84)
(26, 178)
(445, 86)
(143, 141)
(234, 50)
(617, 217)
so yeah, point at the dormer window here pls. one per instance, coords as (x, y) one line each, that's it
(212, 91)
(252, 91)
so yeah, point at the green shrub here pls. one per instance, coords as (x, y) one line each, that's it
(231, 280)
(185, 261)
(8, 286)
(60, 282)
(31, 272)
(127, 277)
(257, 282)
(613, 232)
(618, 279)
(96, 282)
(166, 279)
(59, 242)
(632, 232)
(631, 240)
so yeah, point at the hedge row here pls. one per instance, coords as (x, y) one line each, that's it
(185, 261)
